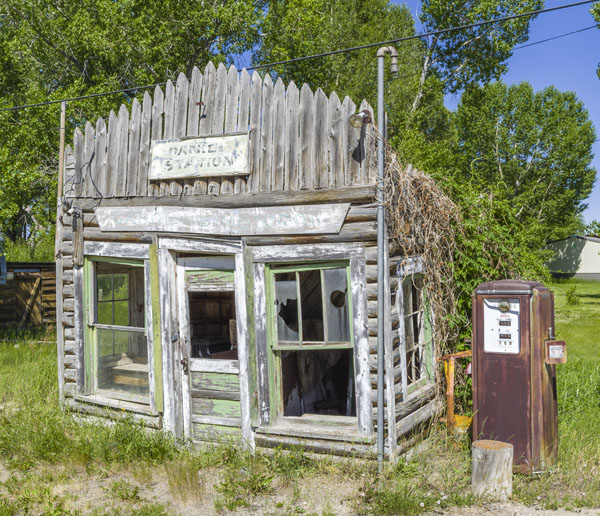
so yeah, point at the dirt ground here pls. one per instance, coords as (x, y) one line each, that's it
(84, 492)
(512, 509)
(79, 492)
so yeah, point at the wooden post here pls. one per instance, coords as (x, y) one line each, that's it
(30, 301)
(492, 469)
(449, 369)
(58, 256)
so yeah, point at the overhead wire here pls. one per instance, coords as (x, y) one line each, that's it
(539, 42)
(325, 54)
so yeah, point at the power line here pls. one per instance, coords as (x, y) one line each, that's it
(425, 34)
(413, 74)
(555, 37)
(326, 54)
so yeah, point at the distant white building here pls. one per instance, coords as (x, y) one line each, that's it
(576, 256)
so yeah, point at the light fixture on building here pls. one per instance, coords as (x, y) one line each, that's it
(357, 120)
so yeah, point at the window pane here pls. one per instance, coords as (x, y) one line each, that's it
(122, 361)
(122, 313)
(287, 307)
(336, 302)
(105, 313)
(318, 382)
(213, 325)
(106, 343)
(407, 294)
(417, 319)
(121, 286)
(311, 304)
(410, 367)
(409, 332)
(104, 283)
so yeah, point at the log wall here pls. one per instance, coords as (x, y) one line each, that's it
(302, 151)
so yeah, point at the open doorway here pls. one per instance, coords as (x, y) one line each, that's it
(213, 332)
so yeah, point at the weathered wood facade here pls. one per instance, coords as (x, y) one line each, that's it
(237, 306)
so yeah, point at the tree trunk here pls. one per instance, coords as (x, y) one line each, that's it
(492, 469)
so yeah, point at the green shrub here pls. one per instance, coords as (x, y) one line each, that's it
(572, 296)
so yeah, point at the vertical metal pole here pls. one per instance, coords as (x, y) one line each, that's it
(380, 260)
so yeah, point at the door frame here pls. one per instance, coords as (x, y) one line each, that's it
(179, 417)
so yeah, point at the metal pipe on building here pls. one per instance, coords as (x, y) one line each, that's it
(381, 243)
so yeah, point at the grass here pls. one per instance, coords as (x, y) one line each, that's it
(416, 486)
(575, 481)
(37, 437)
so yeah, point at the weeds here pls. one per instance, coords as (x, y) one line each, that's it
(239, 485)
(572, 297)
(124, 491)
(186, 480)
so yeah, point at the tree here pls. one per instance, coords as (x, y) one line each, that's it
(294, 28)
(531, 149)
(470, 56)
(65, 48)
(592, 229)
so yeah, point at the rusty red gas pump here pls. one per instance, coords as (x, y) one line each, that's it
(514, 370)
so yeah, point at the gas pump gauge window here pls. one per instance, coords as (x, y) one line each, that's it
(501, 326)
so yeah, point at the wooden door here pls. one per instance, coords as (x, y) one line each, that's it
(208, 330)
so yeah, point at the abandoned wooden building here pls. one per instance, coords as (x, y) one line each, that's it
(217, 268)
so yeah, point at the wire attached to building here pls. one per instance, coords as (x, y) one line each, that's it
(330, 53)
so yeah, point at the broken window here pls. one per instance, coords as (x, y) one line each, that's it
(414, 334)
(321, 316)
(212, 316)
(312, 343)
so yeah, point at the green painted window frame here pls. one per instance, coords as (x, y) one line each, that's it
(274, 357)
(427, 369)
(91, 327)
(271, 271)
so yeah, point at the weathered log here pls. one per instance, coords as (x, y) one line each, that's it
(491, 475)
(352, 194)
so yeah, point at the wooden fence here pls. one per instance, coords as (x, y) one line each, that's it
(299, 140)
(29, 296)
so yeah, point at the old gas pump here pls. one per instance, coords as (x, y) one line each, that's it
(514, 370)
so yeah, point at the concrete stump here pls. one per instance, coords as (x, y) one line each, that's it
(491, 475)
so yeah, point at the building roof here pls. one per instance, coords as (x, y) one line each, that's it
(582, 237)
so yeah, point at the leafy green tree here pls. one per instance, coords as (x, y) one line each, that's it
(518, 164)
(592, 229)
(470, 56)
(66, 48)
(295, 28)
(532, 149)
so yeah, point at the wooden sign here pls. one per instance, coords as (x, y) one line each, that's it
(210, 156)
(272, 220)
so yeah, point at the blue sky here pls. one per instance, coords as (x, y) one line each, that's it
(568, 63)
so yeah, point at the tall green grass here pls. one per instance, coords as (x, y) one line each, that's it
(416, 486)
(33, 427)
(34, 430)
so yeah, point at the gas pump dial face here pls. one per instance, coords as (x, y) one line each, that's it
(501, 331)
